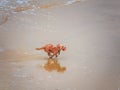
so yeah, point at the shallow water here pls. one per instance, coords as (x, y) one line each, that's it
(90, 31)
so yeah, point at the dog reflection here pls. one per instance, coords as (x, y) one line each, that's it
(53, 65)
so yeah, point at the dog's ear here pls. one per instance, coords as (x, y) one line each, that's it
(64, 49)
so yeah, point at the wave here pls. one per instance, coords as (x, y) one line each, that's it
(9, 7)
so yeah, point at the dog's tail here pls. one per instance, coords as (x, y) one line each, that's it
(39, 48)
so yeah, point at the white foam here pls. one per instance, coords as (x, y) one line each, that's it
(71, 2)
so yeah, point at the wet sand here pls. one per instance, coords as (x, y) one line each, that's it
(89, 30)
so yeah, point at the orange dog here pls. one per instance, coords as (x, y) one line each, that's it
(52, 50)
